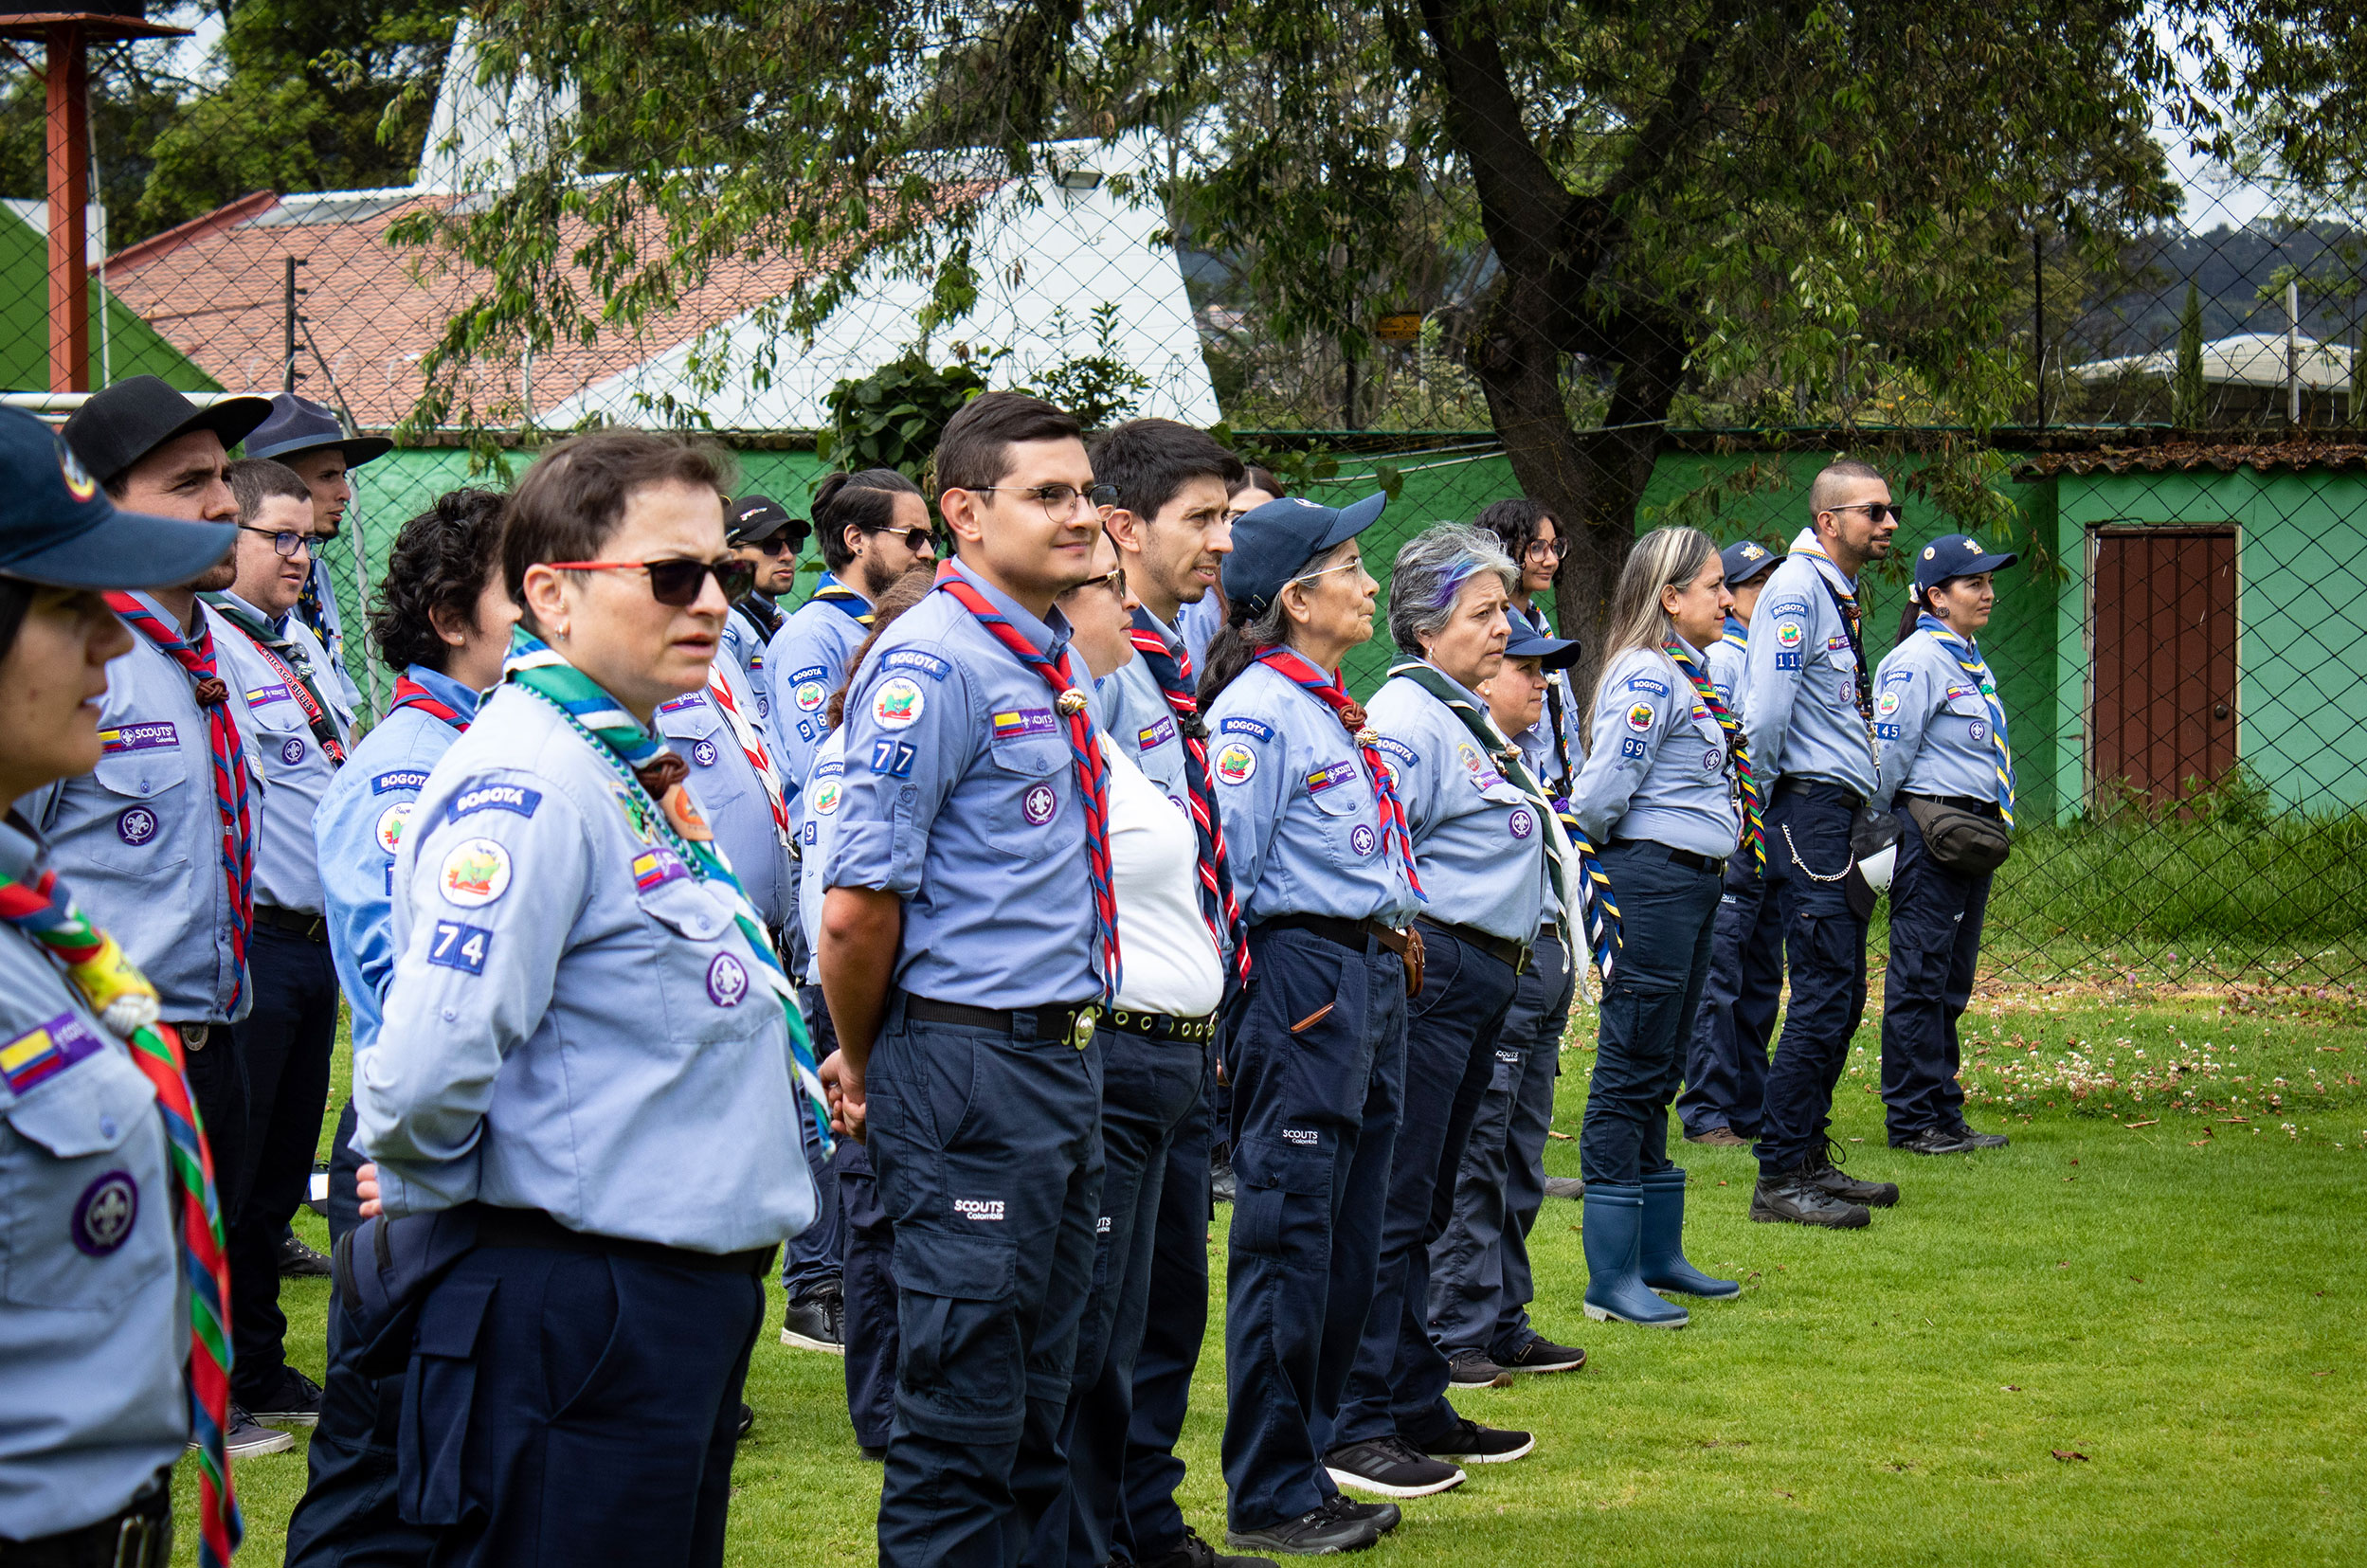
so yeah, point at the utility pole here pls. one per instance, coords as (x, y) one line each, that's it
(290, 322)
(2292, 351)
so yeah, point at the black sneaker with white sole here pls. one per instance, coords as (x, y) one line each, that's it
(816, 1321)
(1318, 1532)
(289, 1399)
(1795, 1200)
(1469, 1443)
(248, 1438)
(1385, 1515)
(1390, 1467)
(1542, 1354)
(1473, 1369)
(1192, 1552)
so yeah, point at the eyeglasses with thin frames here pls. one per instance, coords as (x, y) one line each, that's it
(1058, 501)
(283, 543)
(1357, 565)
(677, 580)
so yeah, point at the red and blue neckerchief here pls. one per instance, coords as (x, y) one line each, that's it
(196, 656)
(1294, 668)
(36, 903)
(1172, 669)
(410, 693)
(1092, 777)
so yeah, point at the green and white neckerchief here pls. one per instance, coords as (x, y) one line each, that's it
(631, 748)
(1570, 860)
(1968, 659)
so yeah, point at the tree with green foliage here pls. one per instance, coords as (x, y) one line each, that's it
(1709, 203)
(2189, 400)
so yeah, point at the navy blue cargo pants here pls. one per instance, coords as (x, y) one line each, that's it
(1824, 941)
(1667, 914)
(1726, 1068)
(1935, 944)
(1175, 1325)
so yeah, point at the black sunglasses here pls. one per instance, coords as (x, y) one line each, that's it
(677, 580)
(915, 539)
(1876, 511)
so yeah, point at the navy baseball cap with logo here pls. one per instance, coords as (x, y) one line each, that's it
(299, 425)
(1552, 653)
(1273, 543)
(58, 528)
(756, 518)
(1747, 560)
(1955, 555)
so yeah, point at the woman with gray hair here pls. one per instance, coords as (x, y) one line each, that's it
(1480, 829)
(1666, 788)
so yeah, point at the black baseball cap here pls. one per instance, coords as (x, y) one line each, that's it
(1273, 542)
(57, 526)
(130, 419)
(756, 518)
(299, 425)
(1956, 555)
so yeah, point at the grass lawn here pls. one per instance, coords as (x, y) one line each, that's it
(2133, 1337)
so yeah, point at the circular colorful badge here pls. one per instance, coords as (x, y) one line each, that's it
(898, 704)
(390, 825)
(474, 874)
(1236, 763)
(826, 797)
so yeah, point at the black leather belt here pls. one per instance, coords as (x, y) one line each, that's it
(141, 1535)
(1973, 803)
(1794, 784)
(312, 928)
(1351, 934)
(1502, 948)
(501, 1227)
(1071, 1021)
(1162, 1026)
(1685, 858)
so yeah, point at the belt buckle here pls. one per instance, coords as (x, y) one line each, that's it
(1081, 1033)
(194, 1036)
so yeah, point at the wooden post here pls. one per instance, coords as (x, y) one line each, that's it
(68, 78)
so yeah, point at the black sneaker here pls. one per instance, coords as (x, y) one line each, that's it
(298, 1261)
(1825, 1172)
(1473, 1369)
(1318, 1532)
(1719, 1136)
(292, 1399)
(1542, 1354)
(1221, 1182)
(1981, 1139)
(1470, 1443)
(1390, 1467)
(1385, 1515)
(877, 1454)
(816, 1321)
(1192, 1552)
(248, 1438)
(1794, 1198)
(1935, 1141)
(747, 1422)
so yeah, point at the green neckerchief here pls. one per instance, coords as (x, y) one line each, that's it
(627, 745)
(1507, 757)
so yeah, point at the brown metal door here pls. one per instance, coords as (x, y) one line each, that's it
(2165, 660)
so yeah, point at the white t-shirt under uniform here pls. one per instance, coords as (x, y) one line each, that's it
(1169, 962)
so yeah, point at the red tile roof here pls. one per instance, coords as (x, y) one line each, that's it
(2186, 454)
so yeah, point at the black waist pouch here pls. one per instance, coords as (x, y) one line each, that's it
(1966, 842)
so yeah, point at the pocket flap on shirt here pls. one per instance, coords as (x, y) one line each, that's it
(142, 775)
(684, 908)
(89, 1108)
(950, 1262)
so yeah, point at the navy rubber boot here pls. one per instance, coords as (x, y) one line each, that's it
(1614, 1231)
(1661, 1257)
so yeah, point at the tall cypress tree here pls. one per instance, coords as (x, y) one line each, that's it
(2188, 409)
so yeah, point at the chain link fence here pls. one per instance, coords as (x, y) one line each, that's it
(2121, 335)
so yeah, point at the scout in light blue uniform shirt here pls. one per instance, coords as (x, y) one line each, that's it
(729, 793)
(817, 829)
(1659, 770)
(289, 757)
(1477, 843)
(574, 1024)
(1935, 722)
(1130, 707)
(804, 662)
(339, 685)
(998, 911)
(1800, 692)
(744, 646)
(94, 1333)
(139, 839)
(1302, 825)
(1545, 759)
(359, 825)
(1725, 662)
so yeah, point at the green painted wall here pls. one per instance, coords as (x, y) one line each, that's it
(133, 347)
(2302, 667)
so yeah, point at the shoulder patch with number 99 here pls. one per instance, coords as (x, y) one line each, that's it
(459, 946)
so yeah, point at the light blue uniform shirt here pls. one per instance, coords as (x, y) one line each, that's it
(961, 798)
(1937, 732)
(1660, 768)
(1725, 662)
(745, 643)
(1545, 762)
(1302, 822)
(1197, 624)
(360, 823)
(575, 1023)
(1478, 844)
(1135, 713)
(139, 838)
(287, 866)
(94, 1327)
(1800, 690)
(804, 662)
(817, 829)
(729, 794)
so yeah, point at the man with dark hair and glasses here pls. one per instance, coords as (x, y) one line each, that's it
(762, 533)
(301, 725)
(1808, 712)
(968, 937)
